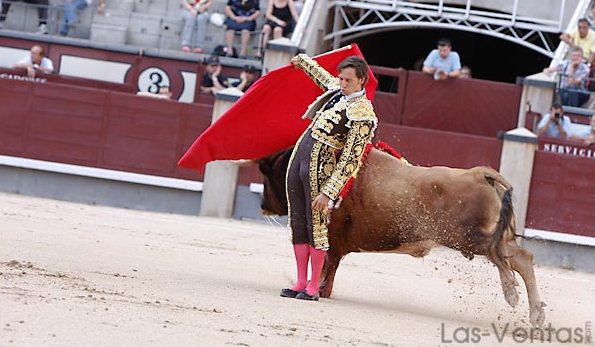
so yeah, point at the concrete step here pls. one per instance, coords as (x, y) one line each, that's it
(108, 33)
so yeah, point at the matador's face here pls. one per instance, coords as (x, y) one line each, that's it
(349, 82)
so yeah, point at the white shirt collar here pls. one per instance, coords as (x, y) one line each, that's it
(353, 95)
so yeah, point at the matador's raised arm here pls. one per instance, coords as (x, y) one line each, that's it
(317, 73)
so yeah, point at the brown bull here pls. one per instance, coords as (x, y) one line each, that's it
(410, 209)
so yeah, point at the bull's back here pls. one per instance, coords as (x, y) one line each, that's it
(392, 203)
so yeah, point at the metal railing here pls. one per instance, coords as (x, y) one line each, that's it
(355, 18)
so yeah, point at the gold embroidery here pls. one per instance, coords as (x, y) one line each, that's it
(360, 134)
(319, 75)
(361, 109)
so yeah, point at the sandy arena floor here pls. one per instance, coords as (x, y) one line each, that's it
(78, 275)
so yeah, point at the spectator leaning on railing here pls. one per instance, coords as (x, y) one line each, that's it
(35, 62)
(573, 78)
(442, 62)
(554, 124)
(584, 38)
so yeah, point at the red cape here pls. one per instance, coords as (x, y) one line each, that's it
(267, 118)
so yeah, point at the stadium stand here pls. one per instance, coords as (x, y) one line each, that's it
(142, 23)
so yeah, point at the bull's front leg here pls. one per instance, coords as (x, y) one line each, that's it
(330, 269)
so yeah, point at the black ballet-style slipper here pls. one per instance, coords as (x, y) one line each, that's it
(289, 293)
(305, 296)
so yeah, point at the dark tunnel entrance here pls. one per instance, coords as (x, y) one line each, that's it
(488, 57)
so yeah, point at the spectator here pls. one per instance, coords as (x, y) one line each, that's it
(195, 16)
(241, 16)
(584, 38)
(247, 78)
(212, 80)
(573, 78)
(35, 62)
(442, 62)
(281, 19)
(42, 12)
(586, 135)
(465, 72)
(70, 15)
(554, 124)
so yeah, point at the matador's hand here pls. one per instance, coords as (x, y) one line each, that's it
(320, 204)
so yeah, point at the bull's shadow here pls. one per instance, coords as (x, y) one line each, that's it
(396, 207)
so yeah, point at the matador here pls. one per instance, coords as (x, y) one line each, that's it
(324, 158)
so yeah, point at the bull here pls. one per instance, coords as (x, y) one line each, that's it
(395, 207)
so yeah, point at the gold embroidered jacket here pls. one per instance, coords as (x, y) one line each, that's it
(347, 126)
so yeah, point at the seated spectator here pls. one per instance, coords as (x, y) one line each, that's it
(574, 73)
(586, 135)
(584, 38)
(35, 62)
(70, 13)
(241, 16)
(442, 63)
(212, 80)
(281, 18)
(195, 16)
(42, 12)
(554, 124)
(465, 72)
(247, 78)
(163, 93)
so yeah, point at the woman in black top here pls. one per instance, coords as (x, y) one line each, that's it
(281, 18)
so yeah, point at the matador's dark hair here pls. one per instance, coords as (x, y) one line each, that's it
(357, 63)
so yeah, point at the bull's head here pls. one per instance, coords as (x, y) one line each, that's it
(274, 169)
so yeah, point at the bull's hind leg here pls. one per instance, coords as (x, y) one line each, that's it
(522, 262)
(507, 279)
(330, 269)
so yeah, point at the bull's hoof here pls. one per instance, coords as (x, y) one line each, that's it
(325, 294)
(511, 296)
(537, 315)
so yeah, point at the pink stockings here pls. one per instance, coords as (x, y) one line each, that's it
(303, 252)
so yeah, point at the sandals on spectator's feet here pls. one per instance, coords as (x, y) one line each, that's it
(197, 50)
(186, 49)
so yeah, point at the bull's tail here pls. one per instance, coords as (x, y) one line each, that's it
(505, 228)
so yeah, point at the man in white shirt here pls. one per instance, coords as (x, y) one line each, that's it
(442, 62)
(36, 62)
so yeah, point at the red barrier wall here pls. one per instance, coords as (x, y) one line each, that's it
(562, 196)
(467, 106)
(98, 128)
(427, 147)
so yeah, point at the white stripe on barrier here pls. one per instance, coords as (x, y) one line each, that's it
(560, 237)
(106, 174)
(257, 188)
